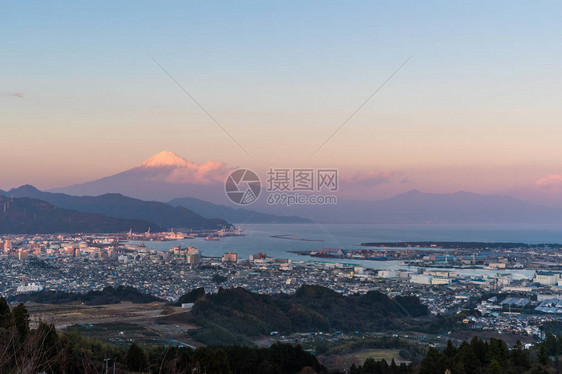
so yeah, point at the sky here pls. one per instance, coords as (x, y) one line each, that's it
(476, 107)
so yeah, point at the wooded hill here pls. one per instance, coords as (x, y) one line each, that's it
(233, 316)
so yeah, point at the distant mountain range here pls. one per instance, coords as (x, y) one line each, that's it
(168, 177)
(30, 216)
(119, 206)
(419, 207)
(462, 207)
(410, 207)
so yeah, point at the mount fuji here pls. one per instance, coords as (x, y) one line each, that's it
(167, 176)
(162, 177)
(166, 159)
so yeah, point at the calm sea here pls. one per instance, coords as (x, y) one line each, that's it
(259, 238)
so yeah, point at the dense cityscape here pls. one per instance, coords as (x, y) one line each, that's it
(80, 263)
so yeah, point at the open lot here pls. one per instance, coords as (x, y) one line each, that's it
(123, 323)
(378, 354)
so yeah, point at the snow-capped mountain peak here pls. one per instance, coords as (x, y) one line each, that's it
(165, 159)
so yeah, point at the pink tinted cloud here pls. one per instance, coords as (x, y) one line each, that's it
(208, 173)
(550, 182)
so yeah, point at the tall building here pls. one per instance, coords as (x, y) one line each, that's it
(230, 257)
(193, 256)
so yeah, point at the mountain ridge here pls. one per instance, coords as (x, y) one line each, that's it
(120, 206)
(31, 216)
(459, 207)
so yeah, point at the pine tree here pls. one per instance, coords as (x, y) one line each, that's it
(494, 368)
(219, 363)
(550, 344)
(543, 356)
(451, 350)
(21, 321)
(431, 363)
(135, 358)
(393, 367)
(518, 356)
(4, 314)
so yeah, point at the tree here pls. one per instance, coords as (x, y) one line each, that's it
(220, 362)
(543, 356)
(21, 321)
(550, 344)
(479, 348)
(213, 360)
(451, 350)
(498, 350)
(431, 363)
(4, 314)
(518, 357)
(468, 358)
(459, 368)
(192, 296)
(494, 368)
(135, 358)
(393, 366)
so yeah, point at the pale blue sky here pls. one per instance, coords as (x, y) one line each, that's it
(480, 99)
